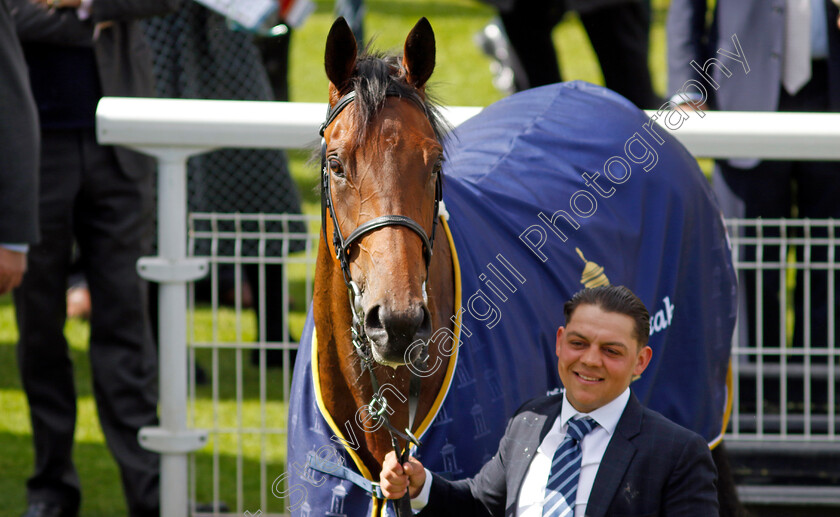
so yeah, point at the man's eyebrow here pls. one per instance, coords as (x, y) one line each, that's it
(578, 334)
(616, 343)
(608, 343)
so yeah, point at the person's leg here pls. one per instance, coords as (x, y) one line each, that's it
(815, 301)
(620, 37)
(46, 369)
(529, 25)
(765, 192)
(114, 217)
(817, 191)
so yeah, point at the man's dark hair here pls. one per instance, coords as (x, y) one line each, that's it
(614, 298)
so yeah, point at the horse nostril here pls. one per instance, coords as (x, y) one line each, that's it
(403, 327)
(398, 328)
(373, 319)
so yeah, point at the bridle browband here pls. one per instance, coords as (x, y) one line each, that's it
(378, 406)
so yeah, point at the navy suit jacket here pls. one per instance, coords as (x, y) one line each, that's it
(759, 26)
(19, 139)
(123, 57)
(651, 467)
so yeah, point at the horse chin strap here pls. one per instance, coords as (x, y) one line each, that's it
(378, 406)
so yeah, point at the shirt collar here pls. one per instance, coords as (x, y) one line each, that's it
(607, 415)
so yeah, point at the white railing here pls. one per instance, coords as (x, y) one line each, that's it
(195, 126)
(174, 130)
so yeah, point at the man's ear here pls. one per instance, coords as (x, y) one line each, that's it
(642, 360)
(560, 332)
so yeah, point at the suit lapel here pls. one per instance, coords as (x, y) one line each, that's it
(833, 57)
(616, 460)
(530, 442)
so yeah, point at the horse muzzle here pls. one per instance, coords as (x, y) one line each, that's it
(392, 331)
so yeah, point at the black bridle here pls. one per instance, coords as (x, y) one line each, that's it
(361, 342)
(342, 245)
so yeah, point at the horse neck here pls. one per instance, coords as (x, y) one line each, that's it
(345, 385)
(441, 283)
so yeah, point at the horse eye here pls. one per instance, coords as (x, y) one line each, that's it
(438, 166)
(336, 167)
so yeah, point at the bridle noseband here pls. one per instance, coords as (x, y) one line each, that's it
(361, 341)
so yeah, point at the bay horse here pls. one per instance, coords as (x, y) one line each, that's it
(435, 309)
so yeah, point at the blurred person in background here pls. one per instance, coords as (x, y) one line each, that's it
(197, 55)
(102, 197)
(788, 59)
(19, 147)
(766, 56)
(618, 30)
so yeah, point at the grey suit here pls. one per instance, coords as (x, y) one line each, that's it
(759, 26)
(103, 199)
(651, 467)
(768, 189)
(18, 141)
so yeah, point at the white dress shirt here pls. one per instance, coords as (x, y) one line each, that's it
(592, 446)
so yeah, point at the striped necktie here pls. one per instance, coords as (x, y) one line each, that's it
(561, 489)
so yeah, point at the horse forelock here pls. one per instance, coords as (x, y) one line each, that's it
(379, 76)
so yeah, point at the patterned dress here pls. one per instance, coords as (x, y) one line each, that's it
(198, 56)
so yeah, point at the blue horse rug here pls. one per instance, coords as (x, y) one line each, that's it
(548, 191)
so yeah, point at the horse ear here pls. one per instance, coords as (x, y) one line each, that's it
(419, 53)
(340, 54)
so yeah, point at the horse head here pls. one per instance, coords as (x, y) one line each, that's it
(381, 157)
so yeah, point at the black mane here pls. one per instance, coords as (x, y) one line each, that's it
(378, 76)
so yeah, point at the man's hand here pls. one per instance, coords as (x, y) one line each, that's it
(58, 4)
(12, 268)
(395, 478)
(689, 105)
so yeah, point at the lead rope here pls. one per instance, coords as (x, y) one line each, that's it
(378, 405)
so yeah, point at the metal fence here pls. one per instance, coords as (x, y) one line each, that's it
(782, 436)
(784, 362)
(241, 371)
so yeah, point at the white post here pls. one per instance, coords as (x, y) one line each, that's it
(172, 270)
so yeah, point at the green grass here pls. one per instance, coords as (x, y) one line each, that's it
(96, 467)
(462, 77)
(97, 470)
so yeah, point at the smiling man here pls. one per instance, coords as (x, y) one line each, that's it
(592, 450)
